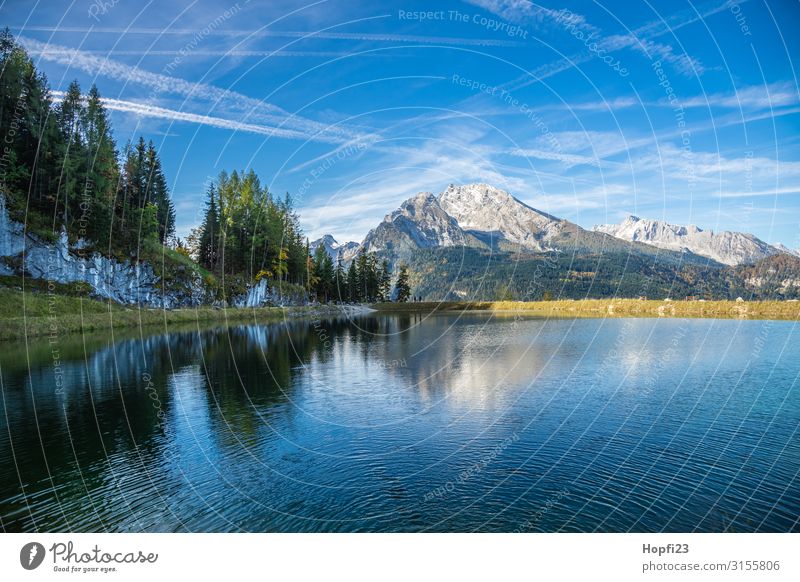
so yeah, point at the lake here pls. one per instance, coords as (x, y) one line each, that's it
(399, 423)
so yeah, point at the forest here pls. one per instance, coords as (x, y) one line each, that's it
(61, 169)
(246, 230)
(471, 274)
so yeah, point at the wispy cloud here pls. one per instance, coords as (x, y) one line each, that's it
(568, 159)
(640, 39)
(767, 192)
(145, 110)
(251, 110)
(212, 53)
(604, 105)
(323, 35)
(399, 169)
(754, 97)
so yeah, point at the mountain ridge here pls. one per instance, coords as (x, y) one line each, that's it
(479, 215)
(335, 249)
(482, 216)
(479, 242)
(726, 247)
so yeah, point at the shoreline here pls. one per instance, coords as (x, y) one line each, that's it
(723, 309)
(113, 316)
(118, 318)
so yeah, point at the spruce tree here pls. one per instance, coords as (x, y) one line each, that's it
(102, 173)
(72, 156)
(362, 279)
(353, 295)
(384, 282)
(158, 194)
(208, 245)
(340, 281)
(402, 289)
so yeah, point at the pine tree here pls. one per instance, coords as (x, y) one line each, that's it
(158, 194)
(102, 173)
(384, 282)
(340, 281)
(352, 283)
(70, 118)
(402, 289)
(323, 274)
(131, 196)
(362, 279)
(12, 61)
(208, 240)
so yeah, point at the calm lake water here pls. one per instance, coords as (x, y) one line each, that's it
(407, 423)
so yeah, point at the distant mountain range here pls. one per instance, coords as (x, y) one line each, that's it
(728, 248)
(483, 217)
(347, 250)
(477, 241)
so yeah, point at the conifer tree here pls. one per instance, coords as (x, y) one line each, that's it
(208, 242)
(384, 282)
(72, 154)
(352, 283)
(402, 289)
(340, 281)
(102, 173)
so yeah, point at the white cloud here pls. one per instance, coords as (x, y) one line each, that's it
(206, 53)
(754, 97)
(252, 110)
(640, 39)
(768, 192)
(250, 34)
(568, 159)
(144, 110)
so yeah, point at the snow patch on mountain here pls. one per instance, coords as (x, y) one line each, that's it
(784, 249)
(419, 223)
(334, 249)
(729, 248)
(487, 209)
(475, 215)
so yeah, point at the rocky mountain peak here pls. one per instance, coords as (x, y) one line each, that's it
(476, 215)
(418, 204)
(729, 248)
(334, 249)
(486, 209)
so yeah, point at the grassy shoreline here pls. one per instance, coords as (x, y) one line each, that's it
(61, 315)
(46, 315)
(781, 310)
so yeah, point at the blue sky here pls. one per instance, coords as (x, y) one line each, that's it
(681, 111)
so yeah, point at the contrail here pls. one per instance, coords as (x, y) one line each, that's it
(256, 110)
(365, 37)
(153, 111)
(208, 53)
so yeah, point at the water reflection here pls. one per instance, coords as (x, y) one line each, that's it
(405, 423)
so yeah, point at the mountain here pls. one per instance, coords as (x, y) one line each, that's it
(483, 217)
(479, 208)
(478, 242)
(728, 248)
(334, 249)
(419, 223)
(778, 273)
(475, 215)
(787, 250)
